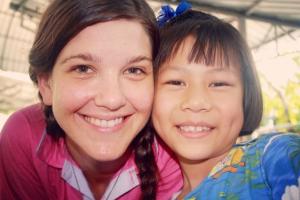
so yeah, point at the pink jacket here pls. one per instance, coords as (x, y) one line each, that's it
(33, 166)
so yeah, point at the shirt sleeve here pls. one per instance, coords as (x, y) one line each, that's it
(281, 164)
(170, 180)
(18, 177)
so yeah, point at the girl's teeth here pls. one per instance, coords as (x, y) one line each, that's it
(104, 123)
(194, 128)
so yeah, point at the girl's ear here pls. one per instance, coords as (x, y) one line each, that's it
(45, 89)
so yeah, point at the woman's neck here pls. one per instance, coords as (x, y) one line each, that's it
(99, 173)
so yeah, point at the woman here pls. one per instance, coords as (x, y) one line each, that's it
(92, 63)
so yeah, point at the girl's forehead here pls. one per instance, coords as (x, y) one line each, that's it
(188, 51)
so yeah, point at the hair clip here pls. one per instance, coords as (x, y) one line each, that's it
(167, 12)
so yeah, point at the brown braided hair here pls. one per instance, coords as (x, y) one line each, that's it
(144, 160)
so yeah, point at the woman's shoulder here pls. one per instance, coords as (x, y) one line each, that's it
(170, 177)
(32, 113)
(162, 152)
(23, 122)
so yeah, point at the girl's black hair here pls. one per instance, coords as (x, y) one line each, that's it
(216, 42)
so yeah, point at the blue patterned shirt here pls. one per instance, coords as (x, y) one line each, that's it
(264, 168)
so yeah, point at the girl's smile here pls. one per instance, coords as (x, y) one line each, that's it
(194, 129)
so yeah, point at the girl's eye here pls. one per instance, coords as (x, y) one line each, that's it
(135, 71)
(175, 82)
(83, 69)
(218, 84)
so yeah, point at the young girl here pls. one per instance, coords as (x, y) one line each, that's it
(208, 94)
(92, 63)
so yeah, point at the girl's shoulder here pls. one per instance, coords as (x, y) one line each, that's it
(280, 148)
(274, 152)
(272, 142)
(270, 163)
(280, 162)
(278, 137)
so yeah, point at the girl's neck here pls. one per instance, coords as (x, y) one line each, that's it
(195, 172)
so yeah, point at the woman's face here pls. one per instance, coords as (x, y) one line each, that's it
(101, 88)
(198, 109)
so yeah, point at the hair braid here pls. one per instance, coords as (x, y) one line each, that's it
(52, 126)
(145, 161)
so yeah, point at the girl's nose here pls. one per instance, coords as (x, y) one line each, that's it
(196, 99)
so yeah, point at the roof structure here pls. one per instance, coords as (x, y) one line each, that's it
(279, 12)
(260, 21)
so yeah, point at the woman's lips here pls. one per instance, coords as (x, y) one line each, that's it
(102, 123)
(113, 124)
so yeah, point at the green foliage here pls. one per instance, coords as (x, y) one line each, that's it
(273, 105)
(292, 93)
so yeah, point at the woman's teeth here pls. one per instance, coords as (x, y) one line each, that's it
(104, 123)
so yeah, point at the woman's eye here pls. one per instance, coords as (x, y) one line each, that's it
(135, 70)
(83, 69)
(175, 82)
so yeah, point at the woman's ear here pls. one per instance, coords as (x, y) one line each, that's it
(45, 89)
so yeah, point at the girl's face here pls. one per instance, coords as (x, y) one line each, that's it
(101, 89)
(198, 109)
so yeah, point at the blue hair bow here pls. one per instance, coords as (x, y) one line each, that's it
(167, 13)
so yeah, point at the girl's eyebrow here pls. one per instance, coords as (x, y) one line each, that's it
(171, 68)
(213, 69)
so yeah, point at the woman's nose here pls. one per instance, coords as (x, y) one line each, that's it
(110, 94)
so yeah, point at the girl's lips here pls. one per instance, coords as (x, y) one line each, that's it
(194, 130)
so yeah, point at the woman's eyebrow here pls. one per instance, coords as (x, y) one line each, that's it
(93, 58)
(82, 56)
(138, 59)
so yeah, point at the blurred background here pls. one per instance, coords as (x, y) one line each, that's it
(271, 27)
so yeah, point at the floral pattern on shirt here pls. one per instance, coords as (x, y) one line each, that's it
(265, 168)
